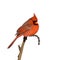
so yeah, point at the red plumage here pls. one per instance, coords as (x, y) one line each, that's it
(29, 28)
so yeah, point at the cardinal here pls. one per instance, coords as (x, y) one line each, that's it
(29, 28)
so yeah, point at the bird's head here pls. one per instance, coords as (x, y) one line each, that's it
(34, 18)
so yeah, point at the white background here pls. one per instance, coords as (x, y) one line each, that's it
(13, 13)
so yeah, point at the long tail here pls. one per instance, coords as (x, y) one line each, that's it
(13, 42)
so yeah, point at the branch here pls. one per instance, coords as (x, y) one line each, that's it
(38, 39)
(21, 48)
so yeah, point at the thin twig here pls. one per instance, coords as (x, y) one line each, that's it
(21, 49)
(38, 39)
(22, 46)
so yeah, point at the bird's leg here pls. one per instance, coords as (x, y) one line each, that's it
(21, 48)
(38, 39)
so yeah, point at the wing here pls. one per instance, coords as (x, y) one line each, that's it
(23, 29)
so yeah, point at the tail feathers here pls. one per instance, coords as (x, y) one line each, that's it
(13, 42)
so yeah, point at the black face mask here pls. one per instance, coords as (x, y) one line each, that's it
(34, 22)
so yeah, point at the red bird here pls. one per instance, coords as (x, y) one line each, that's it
(29, 28)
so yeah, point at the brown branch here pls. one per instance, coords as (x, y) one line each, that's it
(21, 48)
